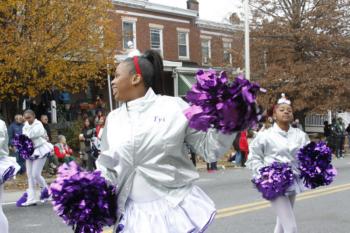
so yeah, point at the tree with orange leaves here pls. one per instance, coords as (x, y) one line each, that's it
(52, 43)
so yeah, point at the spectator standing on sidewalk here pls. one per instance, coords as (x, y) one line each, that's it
(99, 126)
(348, 134)
(343, 132)
(45, 121)
(296, 124)
(16, 127)
(99, 104)
(238, 154)
(337, 135)
(327, 131)
(87, 133)
(52, 162)
(243, 146)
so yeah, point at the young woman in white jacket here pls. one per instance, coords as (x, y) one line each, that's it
(280, 143)
(8, 169)
(143, 152)
(35, 130)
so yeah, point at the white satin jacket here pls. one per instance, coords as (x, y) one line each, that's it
(36, 132)
(145, 138)
(4, 150)
(276, 145)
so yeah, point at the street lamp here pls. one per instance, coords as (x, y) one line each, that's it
(246, 39)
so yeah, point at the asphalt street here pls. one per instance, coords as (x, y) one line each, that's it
(240, 207)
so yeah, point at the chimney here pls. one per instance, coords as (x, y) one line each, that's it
(193, 5)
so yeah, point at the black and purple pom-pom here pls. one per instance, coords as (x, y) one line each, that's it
(83, 199)
(274, 180)
(315, 165)
(24, 146)
(216, 102)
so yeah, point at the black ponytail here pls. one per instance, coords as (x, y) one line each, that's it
(158, 68)
(151, 66)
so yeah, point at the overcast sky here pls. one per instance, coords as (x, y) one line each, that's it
(215, 10)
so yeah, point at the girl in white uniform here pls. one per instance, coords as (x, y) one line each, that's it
(35, 130)
(143, 152)
(280, 143)
(8, 169)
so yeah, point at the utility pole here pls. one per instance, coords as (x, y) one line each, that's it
(246, 40)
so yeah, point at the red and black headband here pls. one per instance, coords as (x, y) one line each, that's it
(137, 65)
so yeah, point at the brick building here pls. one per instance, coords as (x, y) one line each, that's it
(186, 42)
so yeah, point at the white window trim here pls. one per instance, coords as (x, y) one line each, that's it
(129, 19)
(133, 21)
(183, 30)
(206, 37)
(187, 45)
(230, 47)
(156, 26)
(209, 50)
(227, 40)
(161, 38)
(150, 16)
(215, 33)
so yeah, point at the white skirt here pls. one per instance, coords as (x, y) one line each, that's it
(192, 215)
(8, 168)
(296, 188)
(42, 151)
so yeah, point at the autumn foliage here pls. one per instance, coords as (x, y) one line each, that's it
(302, 48)
(52, 43)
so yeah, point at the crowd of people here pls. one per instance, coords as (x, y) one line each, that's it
(89, 137)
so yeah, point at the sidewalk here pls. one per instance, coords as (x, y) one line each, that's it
(15, 188)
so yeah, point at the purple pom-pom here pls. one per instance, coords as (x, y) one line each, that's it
(83, 199)
(315, 165)
(24, 145)
(9, 173)
(215, 102)
(274, 180)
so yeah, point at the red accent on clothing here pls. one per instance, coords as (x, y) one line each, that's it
(98, 128)
(60, 154)
(243, 143)
(137, 65)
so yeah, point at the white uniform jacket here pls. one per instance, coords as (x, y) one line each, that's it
(276, 145)
(37, 133)
(146, 138)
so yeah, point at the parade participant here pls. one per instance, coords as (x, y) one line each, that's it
(280, 143)
(144, 153)
(8, 169)
(35, 131)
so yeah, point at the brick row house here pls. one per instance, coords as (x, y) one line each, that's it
(186, 42)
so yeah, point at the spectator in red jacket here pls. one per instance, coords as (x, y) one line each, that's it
(243, 146)
(99, 126)
(62, 151)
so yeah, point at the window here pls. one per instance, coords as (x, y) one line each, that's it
(206, 51)
(227, 52)
(129, 33)
(157, 40)
(183, 45)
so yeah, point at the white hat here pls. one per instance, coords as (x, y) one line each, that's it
(134, 52)
(283, 100)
